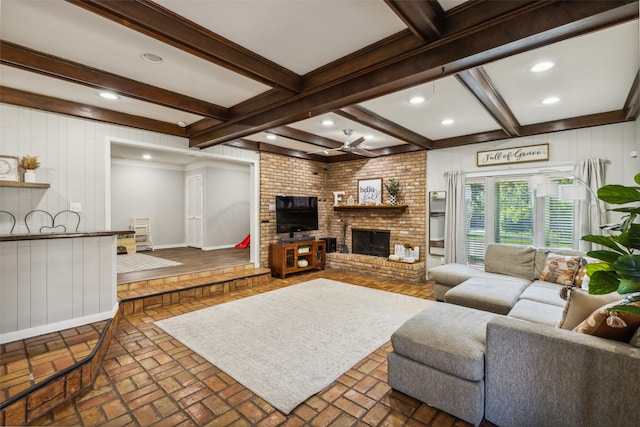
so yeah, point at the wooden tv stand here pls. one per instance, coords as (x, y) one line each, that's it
(284, 258)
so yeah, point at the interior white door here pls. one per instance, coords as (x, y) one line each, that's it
(194, 203)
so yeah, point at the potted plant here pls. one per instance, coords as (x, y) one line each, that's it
(620, 267)
(29, 164)
(393, 187)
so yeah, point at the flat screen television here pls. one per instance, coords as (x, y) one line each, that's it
(296, 213)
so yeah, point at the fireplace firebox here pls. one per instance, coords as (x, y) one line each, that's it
(370, 242)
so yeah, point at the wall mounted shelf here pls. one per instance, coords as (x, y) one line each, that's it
(379, 208)
(18, 184)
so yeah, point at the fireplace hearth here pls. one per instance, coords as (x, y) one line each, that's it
(370, 242)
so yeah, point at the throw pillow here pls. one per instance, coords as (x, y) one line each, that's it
(635, 339)
(512, 260)
(582, 280)
(601, 323)
(560, 268)
(581, 304)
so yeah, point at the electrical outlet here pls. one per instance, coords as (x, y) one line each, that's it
(75, 207)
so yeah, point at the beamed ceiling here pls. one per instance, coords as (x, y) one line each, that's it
(237, 72)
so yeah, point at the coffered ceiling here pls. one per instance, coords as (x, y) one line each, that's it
(239, 71)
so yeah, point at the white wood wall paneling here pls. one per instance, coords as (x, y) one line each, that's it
(24, 284)
(8, 287)
(59, 276)
(56, 281)
(38, 284)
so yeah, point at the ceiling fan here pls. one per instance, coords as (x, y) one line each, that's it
(349, 146)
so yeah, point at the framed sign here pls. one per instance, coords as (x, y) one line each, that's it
(370, 191)
(9, 168)
(531, 153)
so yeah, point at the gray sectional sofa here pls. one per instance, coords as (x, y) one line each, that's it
(493, 350)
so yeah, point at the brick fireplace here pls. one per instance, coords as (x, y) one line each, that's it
(287, 175)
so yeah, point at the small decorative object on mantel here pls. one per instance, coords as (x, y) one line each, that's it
(29, 164)
(406, 253)
(350, 201)
(393, 187)
(8, 168)
(336, 197)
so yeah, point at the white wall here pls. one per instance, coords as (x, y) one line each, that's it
(227, 197)
(150, 190)
(612, 142)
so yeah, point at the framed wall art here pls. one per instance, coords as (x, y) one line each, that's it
(370, 191)
(531, 153)
(9, 168)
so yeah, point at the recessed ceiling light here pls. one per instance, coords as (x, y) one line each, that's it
(416, 100)
(146, 156)
(327, 122)
(550, 100)
(541, 66)
(447, 122)
(152, 57)
(109, 95)
(271, 136)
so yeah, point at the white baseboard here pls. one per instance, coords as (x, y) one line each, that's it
(170, 246)
(57, 326)
(213, 248)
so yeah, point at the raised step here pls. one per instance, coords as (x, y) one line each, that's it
(380, 267)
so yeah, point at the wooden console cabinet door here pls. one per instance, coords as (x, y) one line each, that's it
(286, 258)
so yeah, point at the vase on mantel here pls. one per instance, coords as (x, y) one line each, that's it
(29, 175)
(393, 200)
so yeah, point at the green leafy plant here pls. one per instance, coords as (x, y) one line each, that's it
(393, 186)
(620, 267)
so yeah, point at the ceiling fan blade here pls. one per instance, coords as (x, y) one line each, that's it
(357, 142)
(324, 150)
(362, 152)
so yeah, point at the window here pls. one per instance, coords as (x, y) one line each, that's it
(502, 209)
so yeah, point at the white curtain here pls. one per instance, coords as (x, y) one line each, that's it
(591, 212)
(454, 219)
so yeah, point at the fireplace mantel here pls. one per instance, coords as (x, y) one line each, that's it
(385, 208)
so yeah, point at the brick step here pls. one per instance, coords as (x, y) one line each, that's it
(380, 267)
(72, 370)
(150, 294)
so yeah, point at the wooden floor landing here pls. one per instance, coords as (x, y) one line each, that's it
(192, 259)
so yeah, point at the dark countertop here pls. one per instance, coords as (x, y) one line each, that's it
(64, 235)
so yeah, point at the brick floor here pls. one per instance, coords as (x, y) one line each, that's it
(150, 379)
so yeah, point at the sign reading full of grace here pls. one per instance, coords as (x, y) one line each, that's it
(531, 153)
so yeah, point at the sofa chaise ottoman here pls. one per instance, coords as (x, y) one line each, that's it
(442, 366)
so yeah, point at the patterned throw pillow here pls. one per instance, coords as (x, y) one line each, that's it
(560, 268)
(580, 304)
(582, 280)
(601, 323)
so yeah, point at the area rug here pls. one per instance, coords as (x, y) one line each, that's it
(138, 262)
(286, 345)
